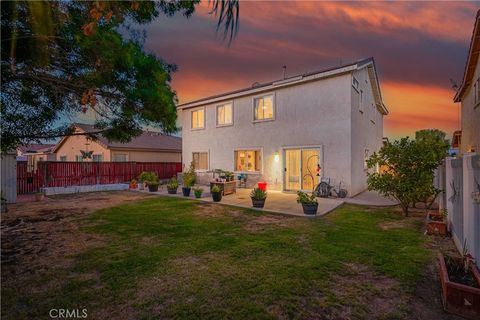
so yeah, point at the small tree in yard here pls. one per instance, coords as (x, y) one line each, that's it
(407, 169)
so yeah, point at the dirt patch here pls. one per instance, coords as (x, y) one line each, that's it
(366, 294)
(409, 223)
(34, 234)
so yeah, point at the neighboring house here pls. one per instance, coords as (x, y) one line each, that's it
(281, 131)
(469, 95)
(148, 147)
(33, 153)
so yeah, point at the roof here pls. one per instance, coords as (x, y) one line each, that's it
(296, 80)
(472, 60)
(35, 148)
(149, 140)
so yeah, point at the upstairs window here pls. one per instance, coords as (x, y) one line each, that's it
(225, 114)
(198, 119)
(263, 108)
(355, 83)
(361, 101)
(476, 90)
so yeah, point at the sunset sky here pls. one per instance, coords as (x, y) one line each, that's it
(418, 48)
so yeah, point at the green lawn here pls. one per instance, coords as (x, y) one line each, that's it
(171, 258)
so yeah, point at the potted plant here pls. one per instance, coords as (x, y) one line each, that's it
(39, 196)
(309, 202)
(133, 184)
(172, 186)
(188, 180)
(437, 223)
(198, 192)
(142, 178)
(216, 193)
(460, 282)
(4, 207)
(152, 182)
(258, 197)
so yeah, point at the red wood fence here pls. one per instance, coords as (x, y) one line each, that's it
(63, 174)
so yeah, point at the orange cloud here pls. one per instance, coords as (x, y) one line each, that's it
(414, 107)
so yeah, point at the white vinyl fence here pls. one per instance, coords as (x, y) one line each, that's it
(460, 181)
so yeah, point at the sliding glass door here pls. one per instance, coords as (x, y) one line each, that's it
(301, 168)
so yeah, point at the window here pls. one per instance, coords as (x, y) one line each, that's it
(119, 157)
(361, 101)
(224, 114)
(476, 89)
(63, 158)
(200, 160)
(263, 108)
(248, 160)
(198, 119)
(97, 158)
(79, 158)
(355, 83)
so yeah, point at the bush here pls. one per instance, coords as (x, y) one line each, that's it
(148, 177)
(304, 198)
(172, 184)
(408, 168)
(215, 189)
(258, 194)
(189, 176)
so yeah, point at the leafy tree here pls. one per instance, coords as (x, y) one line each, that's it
(407, 170)
(62, 58)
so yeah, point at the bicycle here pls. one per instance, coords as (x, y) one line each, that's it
(324, 189)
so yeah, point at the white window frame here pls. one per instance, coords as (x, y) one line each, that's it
(208, 160)
(97, 154)
(355, 83)
(204, 118)
(360, 102)
(116, 154)
(248, 149)
(216, 114)
(272, 94)
(63, 158)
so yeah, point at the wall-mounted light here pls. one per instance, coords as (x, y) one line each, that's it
(276, 156)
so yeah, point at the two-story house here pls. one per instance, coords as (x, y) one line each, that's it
(469, 95)
(283, 131)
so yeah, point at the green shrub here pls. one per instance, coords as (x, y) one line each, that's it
(258, 194)
(304, 198)
(189, 176)
(215, 189)
(172, 184)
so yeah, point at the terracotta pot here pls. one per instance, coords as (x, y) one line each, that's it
(458, 298)
(437, 227)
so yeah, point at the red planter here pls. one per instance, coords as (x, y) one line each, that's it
(437, 227)
(458, 298)
(262, 186)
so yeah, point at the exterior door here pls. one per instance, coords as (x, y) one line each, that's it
(301, 168)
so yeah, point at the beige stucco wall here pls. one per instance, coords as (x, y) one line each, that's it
(72, 145)
(311, 114)
(471, 117)
(367, 131)
(149, 156)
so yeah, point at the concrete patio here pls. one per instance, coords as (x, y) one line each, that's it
(277, 202)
